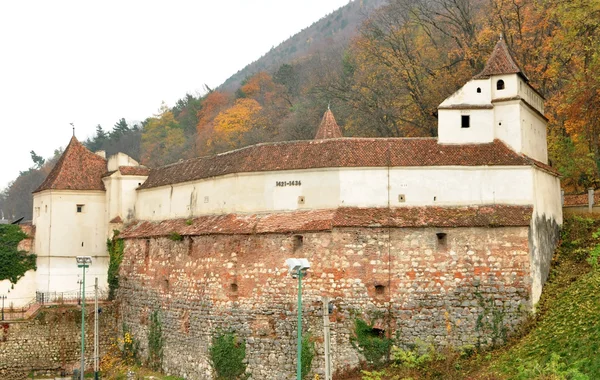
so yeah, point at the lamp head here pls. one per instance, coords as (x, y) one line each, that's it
(297, 265)
(84, 259)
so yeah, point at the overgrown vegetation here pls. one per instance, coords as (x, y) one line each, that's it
(155, 342)
(14, 263)
(175, 236)
(115, 247)
(227, 354)
(566, 338)
(370, 342)
(307, 354)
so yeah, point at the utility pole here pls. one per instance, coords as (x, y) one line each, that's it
(96, 330)
(326, 338)
(3, 298)
(84, 263)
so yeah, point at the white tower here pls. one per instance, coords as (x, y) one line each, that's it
(498, 103)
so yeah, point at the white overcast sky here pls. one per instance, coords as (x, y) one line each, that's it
(94, 62)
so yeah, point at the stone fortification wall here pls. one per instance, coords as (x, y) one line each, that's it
(51, 342)
(458, 286)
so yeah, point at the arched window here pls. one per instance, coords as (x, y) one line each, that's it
(500, 85)
(479, 90)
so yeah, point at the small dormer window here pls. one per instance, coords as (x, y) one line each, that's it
(80, 208)
(465, 121)
(500, 85)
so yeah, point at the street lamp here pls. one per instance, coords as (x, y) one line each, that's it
(84, 263)
(297, 269)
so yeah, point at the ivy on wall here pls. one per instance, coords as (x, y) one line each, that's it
(115, 248)
(14, 263)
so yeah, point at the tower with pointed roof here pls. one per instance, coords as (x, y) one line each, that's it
(498, 103)
(74, 211)
(328, 129)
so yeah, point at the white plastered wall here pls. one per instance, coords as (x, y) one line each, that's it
(337, 187)
(121, 196)
(481, 128)
(533, 129)
(120, 159)
(547, 215)
(60, 232)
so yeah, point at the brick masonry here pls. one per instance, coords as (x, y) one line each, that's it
(50, 343)
(410, 282)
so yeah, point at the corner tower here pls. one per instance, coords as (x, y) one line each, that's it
(497, 103)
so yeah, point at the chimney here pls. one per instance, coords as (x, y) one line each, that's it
(590, 199)
(101, 153)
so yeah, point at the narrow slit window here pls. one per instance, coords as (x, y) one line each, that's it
(465, 121)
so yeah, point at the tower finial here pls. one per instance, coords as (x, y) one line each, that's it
(73, 125)
(329, 106)
(501, 37)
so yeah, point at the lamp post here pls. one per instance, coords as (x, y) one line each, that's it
(84, 263)
(297, 269)
(3, 298)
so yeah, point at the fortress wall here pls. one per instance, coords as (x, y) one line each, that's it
(467, 287)
(50, 343)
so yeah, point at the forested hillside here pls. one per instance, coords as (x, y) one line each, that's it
(386, 80)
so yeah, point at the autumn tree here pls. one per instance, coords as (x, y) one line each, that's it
(232, 124)
(162, 139)
(212, 104)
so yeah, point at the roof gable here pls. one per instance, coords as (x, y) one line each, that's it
(77, 169)
(328, 129)
(500, 62)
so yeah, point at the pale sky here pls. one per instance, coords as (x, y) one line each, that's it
(91, 63)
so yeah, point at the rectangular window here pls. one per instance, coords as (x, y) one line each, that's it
(465, 121)
(80, 208)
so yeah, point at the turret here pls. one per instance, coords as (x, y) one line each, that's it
(497, 103)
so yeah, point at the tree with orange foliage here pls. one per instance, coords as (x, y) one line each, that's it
(233, 123)
(212, 104)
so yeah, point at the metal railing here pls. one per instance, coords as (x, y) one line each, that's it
(11, 313)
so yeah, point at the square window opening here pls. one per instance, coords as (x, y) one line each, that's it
(465, 121)
(80, 208)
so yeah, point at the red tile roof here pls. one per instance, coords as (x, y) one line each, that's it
(134, 170)
(342, 152)
(581, 199)
(77, 169)
(500, 62)
(116, 219)
(326, 220)
(328, 129)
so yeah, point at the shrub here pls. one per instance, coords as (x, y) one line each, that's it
(227, 354)
(307, 354)
(370, 342)
(155, 342)
(115, 248)
(174, 236)
(13, 263)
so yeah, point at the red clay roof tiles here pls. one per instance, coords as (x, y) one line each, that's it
(326, 220)
(328, 129)
(342, 152)
(581, 199)
(500, 62)
(77, 169)
(134, 170)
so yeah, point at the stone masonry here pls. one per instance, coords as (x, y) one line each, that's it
(456, 286)
(50, 343)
